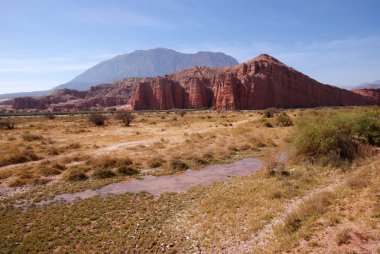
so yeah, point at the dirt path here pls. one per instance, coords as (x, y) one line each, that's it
(264, 236)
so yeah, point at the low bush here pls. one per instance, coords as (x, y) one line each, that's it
(337, 137)
(102, 173)
(18, 182)
(27, 136)
(358, 180)
(312, 207)
(126, 117)
(343, 237)
(75, 175)
(49, 115)
(180, 112)
(109, 162)
(128, 171)
(283, 120)
(268, 113)
(7, 125)
(20, 157)
(268, 124)
(276, 167)
(177, 164)
(97, 119)
(51, 170)
(155, 162)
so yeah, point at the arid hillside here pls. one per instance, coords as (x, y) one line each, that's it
(296, 181)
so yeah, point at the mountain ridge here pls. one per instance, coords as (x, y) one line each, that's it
(139, 63)
(259, 83)
(146, 63)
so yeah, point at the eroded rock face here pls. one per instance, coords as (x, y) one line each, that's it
(260, 83)
(371, 93)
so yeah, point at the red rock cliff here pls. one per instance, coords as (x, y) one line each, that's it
(262, 82)
(370, 93)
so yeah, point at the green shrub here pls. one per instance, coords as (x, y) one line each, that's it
(268, 113)
(283, 120)
(337, 136)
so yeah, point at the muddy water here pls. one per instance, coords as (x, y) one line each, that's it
(156, 185)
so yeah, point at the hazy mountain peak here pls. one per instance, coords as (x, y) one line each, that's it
(146, 63)
(368, 85)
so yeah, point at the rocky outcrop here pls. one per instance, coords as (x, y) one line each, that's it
(370, 93)
(260, 83)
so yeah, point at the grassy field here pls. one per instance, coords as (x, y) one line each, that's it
(318, 191)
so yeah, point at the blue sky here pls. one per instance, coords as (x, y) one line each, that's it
(45, 43)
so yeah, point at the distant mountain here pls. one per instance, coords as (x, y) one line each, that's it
(262, 82)
(368, 85)
(140, 63)
(24, 94)
(146, 63)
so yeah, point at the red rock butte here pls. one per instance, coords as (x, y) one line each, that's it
(259, 83)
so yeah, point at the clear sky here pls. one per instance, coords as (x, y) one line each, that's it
(45, 43)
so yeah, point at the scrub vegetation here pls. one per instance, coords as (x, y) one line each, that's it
(317, 192)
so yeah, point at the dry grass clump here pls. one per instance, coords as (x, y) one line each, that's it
(155, 162)
(51, 169)
(276, 167)
(20, 157)
(178, 165)
(18, 182)
(74, 145)
(102, 173)
(343, 237)
(312, 207)
(107, 162)
(4, 174)
(283, 120)
(74, 158)
(105, 166)
(74, 175)
(267, 124)
(128, 171)
(358, 180)
(28, 136)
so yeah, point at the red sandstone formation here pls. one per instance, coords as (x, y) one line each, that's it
(260, 83)
(371, 93)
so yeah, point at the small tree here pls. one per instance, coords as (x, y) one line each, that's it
(97, 118)
(126, 117)
(49, 115)
(283, 120)
(180, 112)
